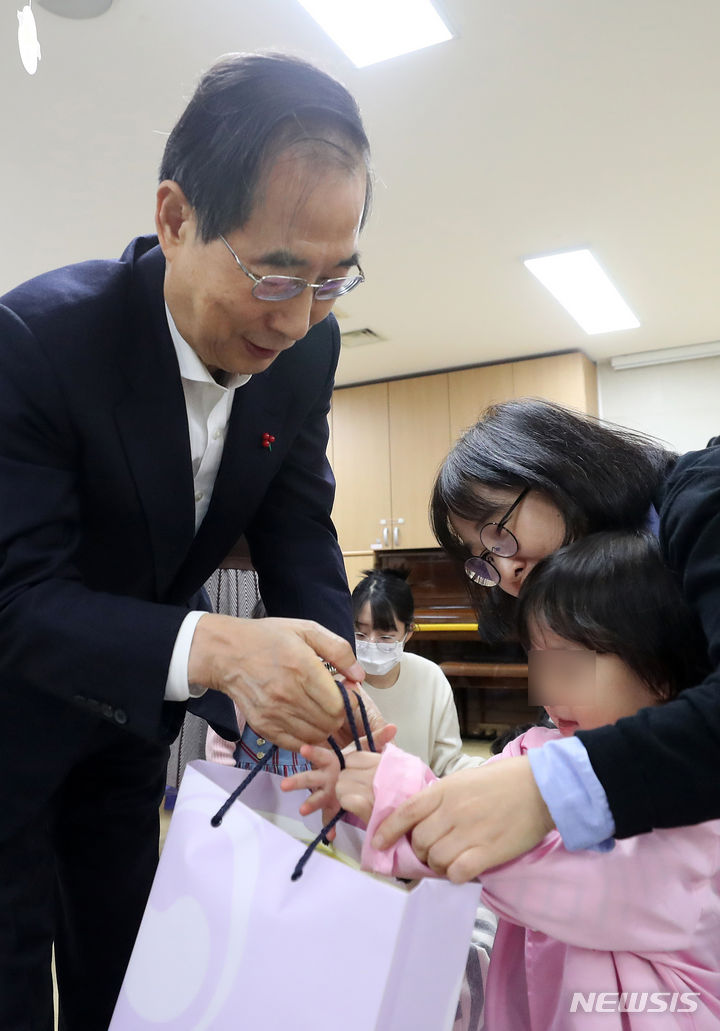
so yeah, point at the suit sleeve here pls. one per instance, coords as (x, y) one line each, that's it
(293, 543)
(107, 654)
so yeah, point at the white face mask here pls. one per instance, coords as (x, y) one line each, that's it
(378, 658)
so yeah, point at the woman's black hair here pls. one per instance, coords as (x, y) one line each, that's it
(613, 594)
(246, 109)
(600, 477)
(389, 596)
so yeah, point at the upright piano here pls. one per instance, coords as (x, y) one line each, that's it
(489, 682)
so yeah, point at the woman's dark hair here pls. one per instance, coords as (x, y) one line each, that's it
(246, 109)
(389, 596)
(613, 594)
(600, 477)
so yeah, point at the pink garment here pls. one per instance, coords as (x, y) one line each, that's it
(643, 918)
(217, 749)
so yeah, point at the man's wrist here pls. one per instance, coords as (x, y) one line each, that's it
(178, 686)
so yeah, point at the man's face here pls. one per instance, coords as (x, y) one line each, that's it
(305, 223)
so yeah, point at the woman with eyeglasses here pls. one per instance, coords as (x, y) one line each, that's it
(529, 477)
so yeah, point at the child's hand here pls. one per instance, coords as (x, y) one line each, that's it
(354, 787)
(319, 781)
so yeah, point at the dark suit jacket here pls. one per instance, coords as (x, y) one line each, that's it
(99, 562)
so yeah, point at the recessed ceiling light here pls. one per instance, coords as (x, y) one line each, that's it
(577, 281)
(375, 30)
(28, 40)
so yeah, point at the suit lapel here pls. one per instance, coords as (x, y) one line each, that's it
(152, 421)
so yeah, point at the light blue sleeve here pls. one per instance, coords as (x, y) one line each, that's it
(573, 794)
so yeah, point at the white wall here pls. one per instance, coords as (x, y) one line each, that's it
(679, 403)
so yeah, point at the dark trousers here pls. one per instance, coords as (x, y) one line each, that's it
(79, 874)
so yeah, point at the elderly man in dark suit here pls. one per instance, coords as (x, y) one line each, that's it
(152, 410)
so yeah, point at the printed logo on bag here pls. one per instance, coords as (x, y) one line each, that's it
(634, 1002)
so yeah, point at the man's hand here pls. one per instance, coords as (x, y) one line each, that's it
(354, 788)
(272, 670)
(472, 820)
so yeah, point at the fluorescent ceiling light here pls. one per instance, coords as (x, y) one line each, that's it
(375, 30)
(575, 279)
(667, 354)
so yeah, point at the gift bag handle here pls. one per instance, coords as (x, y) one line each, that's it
(217, 819)
(322, 836)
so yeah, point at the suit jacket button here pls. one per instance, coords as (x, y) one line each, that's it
(120, 717)
(107, 711)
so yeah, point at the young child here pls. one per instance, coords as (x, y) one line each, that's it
(626, 938)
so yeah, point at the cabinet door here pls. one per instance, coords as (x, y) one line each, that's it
(568, 379)
(361, 466)
(355, 566)
(419, 441)
(472, 390)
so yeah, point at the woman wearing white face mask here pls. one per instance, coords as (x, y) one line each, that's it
(409, 690)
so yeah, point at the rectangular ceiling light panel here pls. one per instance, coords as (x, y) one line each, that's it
(577, 281)
(369, 31)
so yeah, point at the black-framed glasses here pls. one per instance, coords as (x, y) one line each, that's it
(283, 288)
(498, 540)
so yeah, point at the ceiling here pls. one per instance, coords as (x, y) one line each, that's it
(542, 126)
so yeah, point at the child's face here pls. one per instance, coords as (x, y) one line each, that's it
(580, 689)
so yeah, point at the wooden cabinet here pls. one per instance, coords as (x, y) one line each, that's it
(472, 390)
(419, 441)
(389, 439)
(361, 454)
(568, 379)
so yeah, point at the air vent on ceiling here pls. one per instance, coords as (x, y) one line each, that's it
(358, 337)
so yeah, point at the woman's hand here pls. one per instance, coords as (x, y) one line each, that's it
(472, 820)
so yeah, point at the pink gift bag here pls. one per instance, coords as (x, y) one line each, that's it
(228, 940)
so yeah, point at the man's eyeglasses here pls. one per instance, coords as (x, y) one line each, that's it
(283, 288)
(499, 541)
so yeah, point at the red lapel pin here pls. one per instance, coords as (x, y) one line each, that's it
(268, 440)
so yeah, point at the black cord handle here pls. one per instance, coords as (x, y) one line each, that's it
(217, 819)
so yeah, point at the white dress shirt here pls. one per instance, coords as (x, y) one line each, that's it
(208, 405)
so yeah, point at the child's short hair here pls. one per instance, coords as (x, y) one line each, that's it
(389, 595)
(612, 593)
